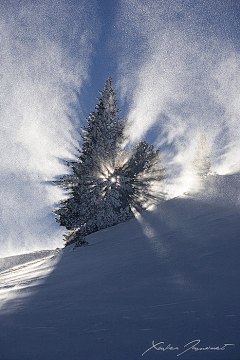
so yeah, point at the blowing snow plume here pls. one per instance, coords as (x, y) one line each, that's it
(45, 51)
(180, 74)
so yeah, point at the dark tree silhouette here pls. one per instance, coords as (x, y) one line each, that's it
(107, 181)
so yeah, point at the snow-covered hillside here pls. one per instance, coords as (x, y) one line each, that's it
(170, 276)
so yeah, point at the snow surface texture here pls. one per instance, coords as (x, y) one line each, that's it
(170, 275)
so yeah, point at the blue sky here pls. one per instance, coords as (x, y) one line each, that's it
(175, 67)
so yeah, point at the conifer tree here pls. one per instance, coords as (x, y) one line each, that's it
(138, 173)
(201, 162)
(107, 180)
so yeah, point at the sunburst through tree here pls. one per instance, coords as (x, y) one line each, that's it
(108, 181)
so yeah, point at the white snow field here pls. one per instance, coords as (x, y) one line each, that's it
(165, 285)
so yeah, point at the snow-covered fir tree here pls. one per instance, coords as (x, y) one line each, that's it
(107, 181)
(201, 162)
(138, 174)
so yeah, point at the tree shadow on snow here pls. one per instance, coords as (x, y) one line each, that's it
(170, 275)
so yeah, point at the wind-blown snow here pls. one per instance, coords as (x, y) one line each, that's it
(171, 276)
(178, 72)
(46, 48)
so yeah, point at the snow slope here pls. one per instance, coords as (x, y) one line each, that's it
(170, 275)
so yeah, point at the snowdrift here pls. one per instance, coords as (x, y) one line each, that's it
(165, 285)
